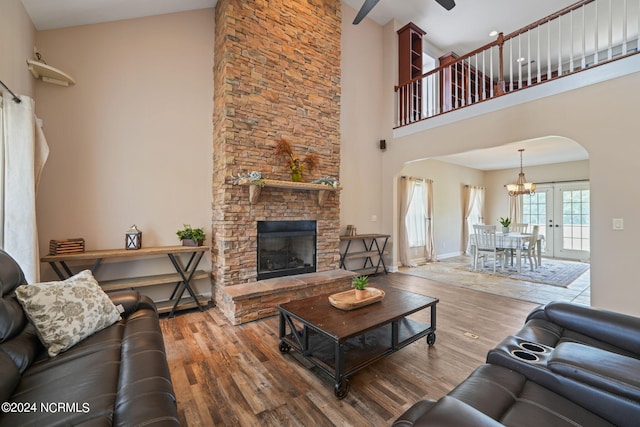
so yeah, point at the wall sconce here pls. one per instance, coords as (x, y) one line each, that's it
(133, 238)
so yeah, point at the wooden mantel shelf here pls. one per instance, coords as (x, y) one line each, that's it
(255, 188)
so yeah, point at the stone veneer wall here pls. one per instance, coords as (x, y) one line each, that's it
(276, 75)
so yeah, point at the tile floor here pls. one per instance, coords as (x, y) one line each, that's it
(446, 271)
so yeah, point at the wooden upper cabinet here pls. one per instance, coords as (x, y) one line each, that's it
(409, 52)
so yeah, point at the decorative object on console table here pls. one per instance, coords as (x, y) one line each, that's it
(351, 230)
(296, 166)
(68, 246)
(133, 238)
(505, 222)
(191, 236)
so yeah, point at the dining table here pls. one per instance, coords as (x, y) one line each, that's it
(512, 241)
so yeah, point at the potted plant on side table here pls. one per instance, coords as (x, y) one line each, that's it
(191, 236)
(360, 283)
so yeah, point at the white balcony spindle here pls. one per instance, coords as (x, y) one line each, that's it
(549, 74)
(610, 40)
(596, 42)
(624, 28)
(583, 62)
(559, 46)
(571, 41)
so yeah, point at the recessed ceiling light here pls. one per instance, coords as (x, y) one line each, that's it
(493, 33)
(520, 59)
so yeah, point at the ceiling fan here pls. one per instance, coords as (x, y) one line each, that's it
(369, 4)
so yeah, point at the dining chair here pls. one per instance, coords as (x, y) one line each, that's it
(486, 246)
(528, 252)
(516, 228)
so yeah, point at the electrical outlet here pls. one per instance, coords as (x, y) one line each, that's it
(618, 224)
(374, 218)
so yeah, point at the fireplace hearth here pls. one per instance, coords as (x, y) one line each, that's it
(286, 248)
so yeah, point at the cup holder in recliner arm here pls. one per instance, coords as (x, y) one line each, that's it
(532, 347)
(525, 355)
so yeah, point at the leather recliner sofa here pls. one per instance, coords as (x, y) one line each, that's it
(117, 376)
(569, 365)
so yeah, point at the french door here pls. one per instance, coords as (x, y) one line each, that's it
(562, 211)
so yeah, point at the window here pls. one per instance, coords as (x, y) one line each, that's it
(534, 210)
(575, 220)
(416, 219)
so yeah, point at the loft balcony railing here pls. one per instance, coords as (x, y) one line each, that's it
(586, 34)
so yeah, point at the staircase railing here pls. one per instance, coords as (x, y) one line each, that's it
(585, 34)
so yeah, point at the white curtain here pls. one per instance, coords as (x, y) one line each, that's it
(473, 212)
(23, 153)
(416, 221)
(430, 247)
(407, 187)
(515, 208)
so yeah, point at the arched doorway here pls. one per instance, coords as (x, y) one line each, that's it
(560, 207)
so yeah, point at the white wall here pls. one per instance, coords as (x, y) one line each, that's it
(601, 118)
(17, 38)
(131, 142)
(360, 125)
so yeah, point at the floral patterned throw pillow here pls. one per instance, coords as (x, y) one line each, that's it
(64, 313)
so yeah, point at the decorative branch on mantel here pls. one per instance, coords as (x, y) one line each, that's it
(255, 187)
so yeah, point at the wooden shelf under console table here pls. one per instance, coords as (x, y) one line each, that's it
(255, 187)
(372, 250)
(181, 278)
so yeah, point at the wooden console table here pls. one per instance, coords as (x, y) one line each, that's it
(372, 250)
(182, 277)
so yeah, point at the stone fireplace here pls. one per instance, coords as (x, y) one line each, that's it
(276, 75)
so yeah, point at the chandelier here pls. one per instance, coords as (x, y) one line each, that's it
(521, 186)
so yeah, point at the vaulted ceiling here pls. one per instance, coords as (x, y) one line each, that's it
(462, 29)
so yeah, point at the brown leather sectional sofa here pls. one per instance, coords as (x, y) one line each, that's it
(117, 376)
(569, 365)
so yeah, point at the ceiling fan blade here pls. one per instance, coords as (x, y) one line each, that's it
(447, 4)
(364, 10)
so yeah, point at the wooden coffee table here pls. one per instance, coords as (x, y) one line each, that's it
(340, 342)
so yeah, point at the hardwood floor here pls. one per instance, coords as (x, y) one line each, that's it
(235, 375)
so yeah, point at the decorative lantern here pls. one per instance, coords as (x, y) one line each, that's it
(133, 238)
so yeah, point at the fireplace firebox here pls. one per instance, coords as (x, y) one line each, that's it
(286, 248)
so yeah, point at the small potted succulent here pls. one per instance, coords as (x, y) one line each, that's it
(360, 283)
(505, 222)
(191, 236)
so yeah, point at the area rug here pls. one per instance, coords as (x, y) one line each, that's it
(551, 272)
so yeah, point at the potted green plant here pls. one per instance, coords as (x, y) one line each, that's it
(505, 222)
(191, 236)
(360, 283)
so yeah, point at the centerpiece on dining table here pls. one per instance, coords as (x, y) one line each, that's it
(505, 222)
